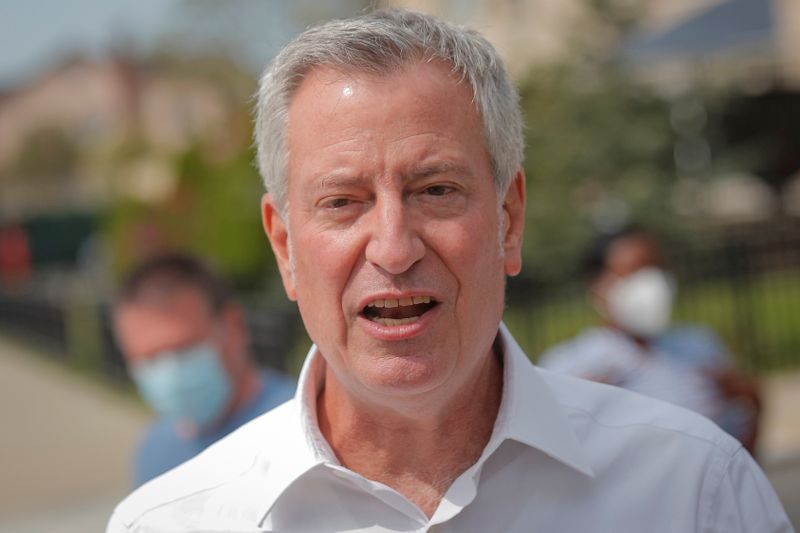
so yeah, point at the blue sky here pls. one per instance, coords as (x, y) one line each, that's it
(35, 33)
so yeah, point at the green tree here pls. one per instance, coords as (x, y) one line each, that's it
(598, 153)
(213, 211)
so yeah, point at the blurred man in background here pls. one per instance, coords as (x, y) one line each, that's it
(638, 348)
(185, 342)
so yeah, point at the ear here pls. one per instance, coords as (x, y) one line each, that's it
(514, 214)
(278, 235)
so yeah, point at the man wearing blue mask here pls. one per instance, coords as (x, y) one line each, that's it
(638, 347)
(186, 346)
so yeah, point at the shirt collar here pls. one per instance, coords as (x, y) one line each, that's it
(529, 413)
(304, 448)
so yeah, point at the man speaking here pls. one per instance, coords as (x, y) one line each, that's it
(391, 149)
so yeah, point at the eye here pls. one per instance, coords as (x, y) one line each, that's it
(438, 190)
(339, 209)
(336, 203)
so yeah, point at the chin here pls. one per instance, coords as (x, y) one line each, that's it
(406, 375)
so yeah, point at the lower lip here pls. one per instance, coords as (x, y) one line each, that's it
(399, 333)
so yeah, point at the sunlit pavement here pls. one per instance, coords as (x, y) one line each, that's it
(779, 447)
(65, 445)
(66, 442)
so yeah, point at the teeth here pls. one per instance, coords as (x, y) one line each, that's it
(394, 302)
(395, 321)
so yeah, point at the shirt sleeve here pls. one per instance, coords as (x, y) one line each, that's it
(744, 501)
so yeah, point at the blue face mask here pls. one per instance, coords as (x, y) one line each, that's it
(189, 384)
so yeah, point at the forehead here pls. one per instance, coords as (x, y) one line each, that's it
(413, 111)
(181, 303)
(168, 294)
(399, 99)
(158, 320)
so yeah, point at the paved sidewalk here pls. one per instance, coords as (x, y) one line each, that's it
(780, 436)
(65, 445)
(779, 447)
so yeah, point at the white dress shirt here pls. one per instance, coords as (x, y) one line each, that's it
(566, 455)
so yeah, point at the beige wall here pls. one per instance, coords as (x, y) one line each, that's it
(524, 32)
(98, 104)
(662, 14)
(788, 20)
(82, 99)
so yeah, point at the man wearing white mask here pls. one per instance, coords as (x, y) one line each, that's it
(637, 348)
(185, 343)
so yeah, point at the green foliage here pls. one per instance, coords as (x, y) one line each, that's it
(213, 211)
(220, 214)
(759, 320)
(598, 151)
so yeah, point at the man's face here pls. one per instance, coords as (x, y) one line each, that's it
(633, 293)
(397, 250)
(157, 323)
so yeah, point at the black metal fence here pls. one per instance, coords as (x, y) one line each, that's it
(80, 333)
(742, 282)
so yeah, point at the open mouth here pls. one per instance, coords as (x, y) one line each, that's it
(398, 311)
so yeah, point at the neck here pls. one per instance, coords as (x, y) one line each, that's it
(418, 449)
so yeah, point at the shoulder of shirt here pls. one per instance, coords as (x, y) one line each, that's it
(592, 344)
(614, 408)
(220, 463)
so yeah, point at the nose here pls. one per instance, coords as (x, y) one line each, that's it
(394, 244)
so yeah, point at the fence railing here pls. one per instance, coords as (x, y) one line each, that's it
(80, 332)
(744, 284)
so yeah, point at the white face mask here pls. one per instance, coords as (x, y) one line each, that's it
(641, 303)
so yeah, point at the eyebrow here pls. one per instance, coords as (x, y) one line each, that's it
(423, 170)
(334, 181)
(440, 167)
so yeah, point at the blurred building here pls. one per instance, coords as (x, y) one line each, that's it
(524, 33)
(673, 38)
(64, 136)
(749, 43)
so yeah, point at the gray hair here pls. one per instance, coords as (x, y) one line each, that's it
(379, 42)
